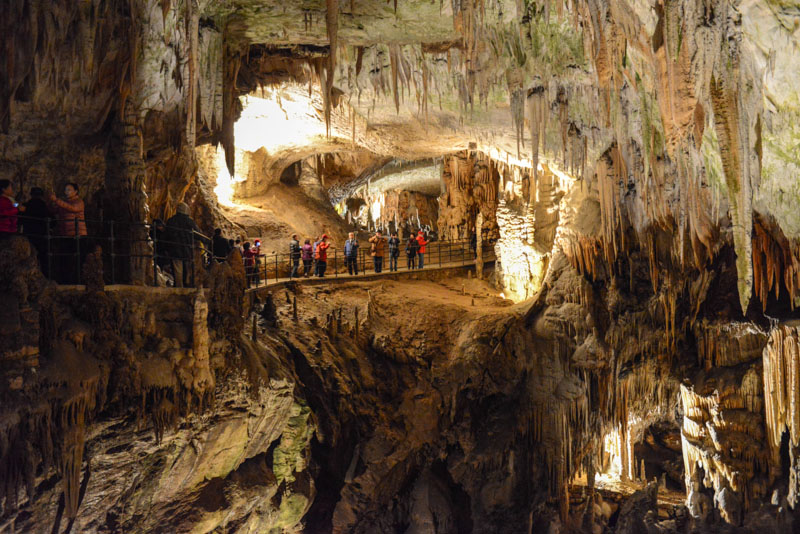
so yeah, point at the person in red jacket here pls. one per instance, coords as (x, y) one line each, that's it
(249, 256)
(322, 255)
(9, 208)
(421, 252)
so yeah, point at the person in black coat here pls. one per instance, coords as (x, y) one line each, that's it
(180, 234)
(35, 225)
(158, 233)
(220, 246)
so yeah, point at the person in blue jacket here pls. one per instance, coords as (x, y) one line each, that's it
(351, 254)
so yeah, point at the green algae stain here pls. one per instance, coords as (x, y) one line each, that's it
(290, 454)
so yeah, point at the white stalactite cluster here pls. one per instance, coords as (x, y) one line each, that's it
(723, 429)
(782, 385)
(782, 398)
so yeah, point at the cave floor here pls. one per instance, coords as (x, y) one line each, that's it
(404, 298)
(615, 490)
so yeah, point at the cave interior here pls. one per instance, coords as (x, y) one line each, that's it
(620, 354)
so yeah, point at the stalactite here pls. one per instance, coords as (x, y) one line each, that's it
(359, 59)
(231, 107)
(192, 31)
(537, 115)
(775, 263)
(728, 344)
(425, 75)
(393, 61)
(782, 385)
(735, 148)
(563, 119)
(332, 27)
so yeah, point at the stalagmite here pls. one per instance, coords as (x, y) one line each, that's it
(479, 246)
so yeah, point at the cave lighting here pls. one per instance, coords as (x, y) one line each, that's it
(224, 188)
(618, 450)
(506, 157)
(612, 446)
(377, 207)
(276, 120)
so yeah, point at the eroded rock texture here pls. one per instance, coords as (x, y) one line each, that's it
(128, 410)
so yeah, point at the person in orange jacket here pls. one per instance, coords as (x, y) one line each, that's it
(421, 252)
(71, 220)
(71, 227)
(377, 250)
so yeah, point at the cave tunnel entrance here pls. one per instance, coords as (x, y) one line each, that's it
(400, 196)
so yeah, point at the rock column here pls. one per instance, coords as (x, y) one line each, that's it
(479, 246)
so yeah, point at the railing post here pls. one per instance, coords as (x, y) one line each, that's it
(191, 258)
(111, 236)
(49, 249)
(335, 270)
(440, 254)
(155, 255)
(77, 251)
(276, 268)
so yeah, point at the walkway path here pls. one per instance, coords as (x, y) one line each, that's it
(403, 273)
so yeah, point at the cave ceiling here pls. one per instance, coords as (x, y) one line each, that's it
(361, 22)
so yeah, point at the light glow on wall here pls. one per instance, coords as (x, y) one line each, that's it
(276, 120)
(224, 188)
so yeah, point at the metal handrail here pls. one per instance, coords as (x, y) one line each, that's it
(278, 265)
(118, 241)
